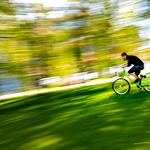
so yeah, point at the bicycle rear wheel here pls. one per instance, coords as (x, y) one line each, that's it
(121, 86)
(147, 88)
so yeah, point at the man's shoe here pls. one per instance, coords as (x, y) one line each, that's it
(136, 81)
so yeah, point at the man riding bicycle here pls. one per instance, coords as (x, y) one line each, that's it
(136, 69)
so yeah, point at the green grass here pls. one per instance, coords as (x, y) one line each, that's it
(86, 118)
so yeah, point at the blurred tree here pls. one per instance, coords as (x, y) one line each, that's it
(90, 36)
(6, 7)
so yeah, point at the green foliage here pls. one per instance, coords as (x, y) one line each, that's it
(6, 7)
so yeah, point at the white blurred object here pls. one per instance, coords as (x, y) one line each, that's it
(69, 79)
(49, 81)
(90, 76)
(147, 67)
(105, 72)
(82, 77)
(77, 78)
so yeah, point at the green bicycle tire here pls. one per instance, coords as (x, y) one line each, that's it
(128, 84)
(147, 88)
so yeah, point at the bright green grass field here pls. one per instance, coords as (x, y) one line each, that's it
(86, 118)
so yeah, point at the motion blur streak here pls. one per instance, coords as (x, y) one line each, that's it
(38, 42)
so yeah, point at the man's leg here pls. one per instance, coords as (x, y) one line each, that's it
(134, 75)
(137, 71)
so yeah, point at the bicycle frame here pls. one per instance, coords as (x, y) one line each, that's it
(123, 74)
(126, 75)
(141, 83)
(124, 86)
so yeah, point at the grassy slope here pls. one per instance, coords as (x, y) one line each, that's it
(86, 118)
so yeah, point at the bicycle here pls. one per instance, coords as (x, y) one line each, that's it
(122, 85)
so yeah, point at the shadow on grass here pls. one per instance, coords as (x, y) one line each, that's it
(91, 117)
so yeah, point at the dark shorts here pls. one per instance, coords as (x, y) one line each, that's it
(137, 69)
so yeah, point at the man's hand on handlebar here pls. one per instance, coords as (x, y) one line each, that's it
(124, 65)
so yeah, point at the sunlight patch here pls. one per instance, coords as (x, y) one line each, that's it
(110, 128)
(42, 142)
(115, 119)
(108, 104)
(115, 110)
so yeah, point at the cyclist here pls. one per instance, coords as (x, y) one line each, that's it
(136, 69)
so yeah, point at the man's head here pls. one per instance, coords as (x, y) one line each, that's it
(124, 56)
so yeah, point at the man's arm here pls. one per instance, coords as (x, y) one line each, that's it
(129, 64)
(125, 65)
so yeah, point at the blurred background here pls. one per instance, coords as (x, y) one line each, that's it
(66, 42)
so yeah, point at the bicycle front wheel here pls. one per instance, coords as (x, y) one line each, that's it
(121, 86)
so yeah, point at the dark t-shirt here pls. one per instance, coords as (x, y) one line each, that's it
(134, 60)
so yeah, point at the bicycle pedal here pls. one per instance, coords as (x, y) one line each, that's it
(141, 87)
(142, 76)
